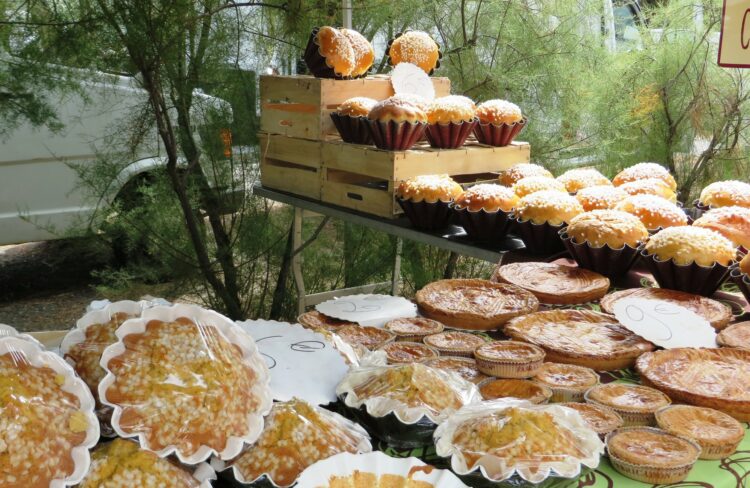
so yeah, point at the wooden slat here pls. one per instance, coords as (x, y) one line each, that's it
(300, 181)
(298, 151)
(372, 201)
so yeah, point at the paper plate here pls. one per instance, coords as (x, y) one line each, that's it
(369, 310)
(410, 78)
(8, 331)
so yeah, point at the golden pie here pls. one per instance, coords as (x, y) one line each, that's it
(360, 479)
(713, 378)
(651, 455)
(370, 338)
(316, 320)
(599, 418)
(413, 328)
(492, 389)
(509, 359)
(568, 382)
(297, 435)
(554, 284)
(474, 304)
(591, 339)
(717, 433)
(736, 335)
(465, 367)
(636, 404)
(715, 312)
(408, 352)
(454, 343)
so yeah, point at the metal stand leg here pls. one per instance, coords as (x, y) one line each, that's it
(299, 279)
(396, 278)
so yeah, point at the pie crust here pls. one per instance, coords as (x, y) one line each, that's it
(717, 314)
(454, 343)
(465, 367)
(474, 304)
(492, 389)
(554, 284)
(601, 419)
(713, 378)
(568, 382)
(717, 433)
(370, 338)
(586, 338)
(316, 320)
(636, 404)
(408, 352)
(736, 335)
(413, 328)
(509, 359)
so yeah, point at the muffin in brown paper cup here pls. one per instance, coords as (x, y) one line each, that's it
(388, 52)
(354, 130)
(691, 278)
(393, 136)
(425, 215)
(315, 61)
(612, 263)
(498, 134)
(449, 136)
(540, 239)
(483, 226)
(742, 281)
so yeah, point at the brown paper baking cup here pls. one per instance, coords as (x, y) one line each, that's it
(509, 369)
(540, 239)
(498, 135)
(699, 209)
(449, 136)
(393, 136)
(354, 130)
(742, 281)
(612, 263)
(691, 278)
(315, 61)
(483, 226)
(425, 215)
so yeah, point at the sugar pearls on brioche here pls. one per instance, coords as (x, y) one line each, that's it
(732, 222)
(650, 186)
(397, 110)
(642, 171)
(532, 184)
(499, 112)
(417, 100)
(550, 206)
(356, 107)
(509, 177)
(689, 244)
(600, 197)
(579, 178)
(655, 212)
(488, 197)
(726, 193)
(611, 228)
(337, 50)
(415, 47)
(451, 109)
(429, 188)
(364, 54)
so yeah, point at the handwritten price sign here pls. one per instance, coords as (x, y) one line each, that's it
(372, 310)
(734, 43)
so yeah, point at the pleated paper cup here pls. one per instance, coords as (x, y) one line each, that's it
(741, 280)
(482, 225)
(315, 61)
(691, 278)
(354, 130)
(540, 239)
(449, 136)
(427, 215)
(612, 263)
(498, 135)
(395, 136)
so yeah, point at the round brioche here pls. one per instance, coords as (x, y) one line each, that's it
(642, 171)
(600, 197)
(726, 193)
(417, 100)
(650, 186)
(655, 212)
(498, 112)
(451, 109)
(488, 197)
(550, 206)
(610, 228)
(532, 184)
(687, 244)
(429, 188)
(397, 110)
(732, 222)
(337, 50)
(509, 177)
(356, 107)
(364, 54)
(415, 47)
(579, 178)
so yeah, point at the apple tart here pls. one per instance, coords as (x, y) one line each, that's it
(717, 433)
(554, 284)
(636, 404)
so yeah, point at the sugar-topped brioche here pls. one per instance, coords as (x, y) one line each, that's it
(550, 206)
(650, 186)
(610, 228)
(397, 110)
(600, 197)
(364, 54)
(732, 222)
(655, 212)
(579, 178)
(509, 177)
(417, 100)
(356, 107)
(726, 193)
(488, 197)
(745, 265)
(532, 184)
(451, 109)
(337, 50)
(498, 112)
(430, 188)
(642, 171)
(689, 244)
(415, 47)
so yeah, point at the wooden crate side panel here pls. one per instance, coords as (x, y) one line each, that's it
(290, 89)
(466, 160)
(291, 120)
(299, 151)
(299, 180)
(367, 200)
(364, 160)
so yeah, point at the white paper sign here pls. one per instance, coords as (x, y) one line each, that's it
(410, 78)
(301, 362)
(370, 310)
(664, 323)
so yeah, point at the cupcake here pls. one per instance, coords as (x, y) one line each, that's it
(605, 241)
(642, 171)
(350, 119)
(655, 212)
(426, 200)
(364, 54)
(603, 197)
(395, 124)
(540, 216)
(483, 211)
(691, 259)
(580, 178)
(329, 53)
(511, 176)
(724, 194)
(732, 222)
(650, 186)
(415, 47)
(450, 121)
(499, 123)
(533, 184)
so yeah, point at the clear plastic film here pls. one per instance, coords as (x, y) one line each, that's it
(47, 421)
(187, 381)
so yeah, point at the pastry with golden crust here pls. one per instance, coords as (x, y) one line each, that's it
(454, 343)
(612, 228)
(580, 178)
(713, 378)
(350, 119)
(732, 222)
(451, 120)
(330, 54)
(687, 244)
(636, 404)
(464, 367)
(488, 197)
(736, 335)
(591, 339)
(600, 197)
(315, 320)
(408, 352)
(364, 54)
(397, 110)
(370, 338)
(356, 106)
(417, 100)
(415, 47)
(655, 212)
(498, 112)
(642, 171)
(548, 206)
(725, 194)
(533, 184)
(429, 188)
(396, 124)
(509, 359)
(474, 304)
(599, 418)
(360, 479)
(413, 328)
(509, 177)
(554, 284)
(717, 433)
(492, 389)
(650, 186)
(568, 382)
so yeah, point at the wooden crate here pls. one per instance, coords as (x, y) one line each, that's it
(364, 178)
(290, 164)
(300, 106)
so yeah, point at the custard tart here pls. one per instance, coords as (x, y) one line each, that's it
(554, 284)
(636, 404)
(413, 329)
(717, 433)
(454, 343)
(599, 418)
(492, 389)
(736, 335)
(464, 367)
(316, 320)
(370, 338)
(568, 382)
(509, 359)
(408, 352)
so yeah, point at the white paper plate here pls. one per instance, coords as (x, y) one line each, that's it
(370, 310)
(99, 316)
(9, 331)
(410, 78)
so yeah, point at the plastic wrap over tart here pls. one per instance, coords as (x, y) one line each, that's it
(503, 438)
(187, 381)
(47, 421)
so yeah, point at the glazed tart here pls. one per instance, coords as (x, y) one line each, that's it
(492, 389)
(736, 335)
(554, 284)
(651, 455)
(454, 343)
(599, 418)
(465, 367)
(474, 304)
(413, 329)
(591, 339)
(509, 359)
(713, 378)
(408, 352)
(636, 404)
(316, 320)
(717, 433)
(717, 314)
(370, 338)
(568, 382)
